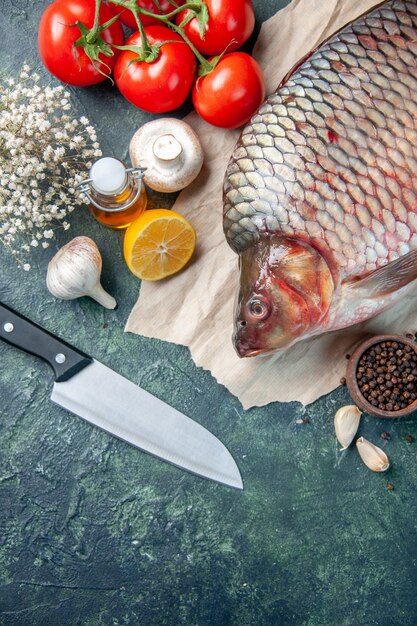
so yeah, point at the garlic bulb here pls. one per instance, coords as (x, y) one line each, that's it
(169, 151)
(346, 424)
(372, 456)
(75, 271)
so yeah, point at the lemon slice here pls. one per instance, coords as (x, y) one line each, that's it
(157, 244)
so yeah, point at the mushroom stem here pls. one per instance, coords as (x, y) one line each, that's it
(167, 148)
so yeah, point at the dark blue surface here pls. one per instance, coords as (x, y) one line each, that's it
(92, 531)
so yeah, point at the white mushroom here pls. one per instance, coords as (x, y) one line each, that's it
(170, 152)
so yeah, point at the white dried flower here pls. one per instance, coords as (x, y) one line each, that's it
(44, 153)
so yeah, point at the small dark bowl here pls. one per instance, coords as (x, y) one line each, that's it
(352, 383)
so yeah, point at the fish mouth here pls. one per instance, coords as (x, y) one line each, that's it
(244, 350)
(249, 353)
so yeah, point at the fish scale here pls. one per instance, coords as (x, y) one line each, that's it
(332, 155)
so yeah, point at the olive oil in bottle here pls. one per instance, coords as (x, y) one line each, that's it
(116, 194)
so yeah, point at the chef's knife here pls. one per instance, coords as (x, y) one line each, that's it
(101, 396)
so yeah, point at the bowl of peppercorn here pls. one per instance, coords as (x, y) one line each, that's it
(381, 376)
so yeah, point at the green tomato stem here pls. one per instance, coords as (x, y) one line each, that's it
(205, 66)
(145, 43)
(131, 5)
(96, 26)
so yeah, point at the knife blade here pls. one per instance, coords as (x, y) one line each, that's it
(106, 399)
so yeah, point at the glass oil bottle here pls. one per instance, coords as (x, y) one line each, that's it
(116, 194)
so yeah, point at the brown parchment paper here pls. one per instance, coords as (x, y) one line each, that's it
(195, 307)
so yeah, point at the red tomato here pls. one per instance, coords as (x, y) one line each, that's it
(57, 36)
(128, 18)
(230, 24)
(163, 84)
(231, 93)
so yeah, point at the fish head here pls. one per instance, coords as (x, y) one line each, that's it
(286, 289)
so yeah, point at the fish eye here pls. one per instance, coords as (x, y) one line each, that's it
(258, 308)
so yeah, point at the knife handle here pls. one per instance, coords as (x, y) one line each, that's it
(28, 336)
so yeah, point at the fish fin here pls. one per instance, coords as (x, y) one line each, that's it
(386, 279)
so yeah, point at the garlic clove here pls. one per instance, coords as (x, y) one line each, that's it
(372, 456)
(346, 424)
(75, 272)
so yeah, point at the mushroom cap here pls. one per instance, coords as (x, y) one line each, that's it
(154, 147)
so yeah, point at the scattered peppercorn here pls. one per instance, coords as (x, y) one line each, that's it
(387, 375)
(343, 381)
(390, 486)
(347, 356)
(409, 438)
(385, 435)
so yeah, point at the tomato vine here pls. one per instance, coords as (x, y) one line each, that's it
(189, 32)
